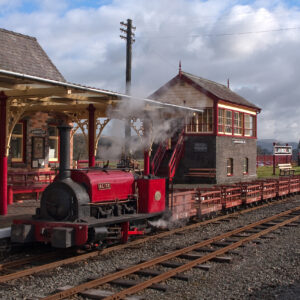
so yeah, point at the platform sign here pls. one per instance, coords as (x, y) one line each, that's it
(282, 150)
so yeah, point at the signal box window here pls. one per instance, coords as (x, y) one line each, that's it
(228, 122)
(225, 121)
(238, 123)
(53, 143)
(229, 166)
(246, 165)
(221, 120)
(201, 122)
(249, 125)
(17, 143)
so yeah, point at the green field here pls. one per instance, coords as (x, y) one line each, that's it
(267, 172)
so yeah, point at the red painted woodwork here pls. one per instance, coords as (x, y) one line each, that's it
(43, 230)
(151, 195)
(146, 163)
(158, 157)
(104, 186)
(216, 116)
(3, 157)
(176, 156)
(124, 232)
(92, 158)
(28, 183)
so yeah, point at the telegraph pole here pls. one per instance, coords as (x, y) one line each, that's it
(127, 28)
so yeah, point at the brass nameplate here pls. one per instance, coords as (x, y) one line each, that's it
(104, 186)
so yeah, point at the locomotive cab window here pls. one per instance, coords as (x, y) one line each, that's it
(17, 143)
(53, 143)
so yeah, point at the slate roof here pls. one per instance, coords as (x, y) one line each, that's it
(220, 91)
(23, 54)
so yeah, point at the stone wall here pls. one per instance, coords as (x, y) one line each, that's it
(213, 152)
(238, 149)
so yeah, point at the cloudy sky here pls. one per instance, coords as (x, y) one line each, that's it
(254, 43)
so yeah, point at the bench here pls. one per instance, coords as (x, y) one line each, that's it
(286, 169)
(28, 183)
(201, 172)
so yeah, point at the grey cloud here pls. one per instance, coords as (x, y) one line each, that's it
(262, 67)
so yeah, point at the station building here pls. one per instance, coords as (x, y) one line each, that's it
(220, 140)
(34, 140)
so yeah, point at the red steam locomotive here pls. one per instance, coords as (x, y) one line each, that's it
(95, 206)
(92, 205)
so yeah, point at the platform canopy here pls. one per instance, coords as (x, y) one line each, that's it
(28, 94)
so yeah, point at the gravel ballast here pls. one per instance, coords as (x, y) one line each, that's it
(269, 270)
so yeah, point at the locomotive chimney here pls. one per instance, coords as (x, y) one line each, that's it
(64, 151)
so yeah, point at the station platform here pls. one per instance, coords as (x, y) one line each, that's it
(18, 209)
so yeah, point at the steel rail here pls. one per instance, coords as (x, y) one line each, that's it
(187, 266)
(110, 277)
(46, 267)
(27, 260)
(82, 257)
(189, 227)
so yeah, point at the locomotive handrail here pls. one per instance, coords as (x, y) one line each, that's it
(158, 157)
(176, 156)
(79, 162)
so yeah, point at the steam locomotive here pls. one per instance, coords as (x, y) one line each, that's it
(90, 206)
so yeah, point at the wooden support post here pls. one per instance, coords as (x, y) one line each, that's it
(3, 157)
(92, 160)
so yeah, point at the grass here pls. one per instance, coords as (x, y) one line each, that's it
(267, 172)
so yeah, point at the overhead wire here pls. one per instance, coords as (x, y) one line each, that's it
(220, 34)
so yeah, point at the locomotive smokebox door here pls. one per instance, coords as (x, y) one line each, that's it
(152, 193)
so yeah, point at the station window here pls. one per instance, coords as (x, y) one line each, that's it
(245, 165)
(53, 143)
(229, 166)
(17, 143)
(201, 122)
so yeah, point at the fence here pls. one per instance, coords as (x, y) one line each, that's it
(267, 160)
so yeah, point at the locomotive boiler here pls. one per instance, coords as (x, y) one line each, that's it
(92, 205)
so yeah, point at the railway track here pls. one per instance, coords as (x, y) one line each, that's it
(191, 256)
(8, 270)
